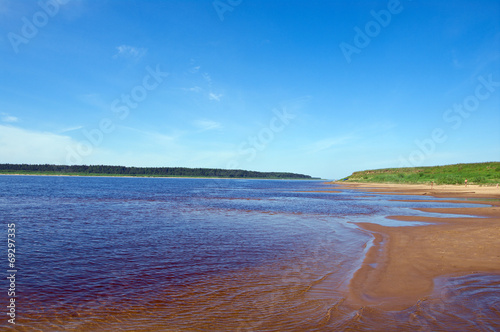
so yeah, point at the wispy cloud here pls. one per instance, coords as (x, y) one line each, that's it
(366, 133)
(95, 100)
(213, 96)
(130, 52)
(18, 145)
(207, 78)
(204, 124)
(68, 129)
(157, 137)
(196, 89)
(327, 143)
(8, 118)
(195, 69)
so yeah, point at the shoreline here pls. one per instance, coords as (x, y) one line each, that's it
(155, 177)
(438, 191)
(400, 268)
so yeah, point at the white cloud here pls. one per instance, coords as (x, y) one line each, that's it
(8, 118)
(213, 96)
(19, 145)
(196, 89)
(194, 70)
(127, 51)
(327, 143)
(154, 136)
(207, 78)
(140, 148)
(95, 100)
(68, 129)
(207, 124)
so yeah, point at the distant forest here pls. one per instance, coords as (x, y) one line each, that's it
(143, 171)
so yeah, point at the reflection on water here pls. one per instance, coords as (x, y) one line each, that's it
(227, 255)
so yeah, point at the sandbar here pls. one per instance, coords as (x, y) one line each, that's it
(400, 268)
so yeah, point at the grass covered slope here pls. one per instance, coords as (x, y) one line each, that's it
(477, 173)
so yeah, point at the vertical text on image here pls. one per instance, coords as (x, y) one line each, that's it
(11, 271)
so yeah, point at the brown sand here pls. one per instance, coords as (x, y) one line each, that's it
(471, 191)
(400, 268)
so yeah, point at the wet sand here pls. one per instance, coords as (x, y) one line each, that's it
(400, 268)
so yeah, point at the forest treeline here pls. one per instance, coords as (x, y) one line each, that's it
(143, 171)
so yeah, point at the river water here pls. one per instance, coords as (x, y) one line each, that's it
(145, 254)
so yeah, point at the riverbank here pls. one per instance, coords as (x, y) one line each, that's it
(155, 177)
(400, 268)
(486, 173)
(441, 191)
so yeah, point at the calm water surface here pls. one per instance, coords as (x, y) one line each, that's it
(142, 254)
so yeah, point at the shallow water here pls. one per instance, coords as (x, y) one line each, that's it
(198, 254)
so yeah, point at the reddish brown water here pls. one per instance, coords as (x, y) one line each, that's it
(104, 254)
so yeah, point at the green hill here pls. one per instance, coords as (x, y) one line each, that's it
(477, 173)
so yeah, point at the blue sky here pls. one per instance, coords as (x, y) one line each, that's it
(322, 88)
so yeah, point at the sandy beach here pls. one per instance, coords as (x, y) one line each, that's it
(400, 268)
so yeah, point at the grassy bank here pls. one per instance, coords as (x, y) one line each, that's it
(476, 173)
